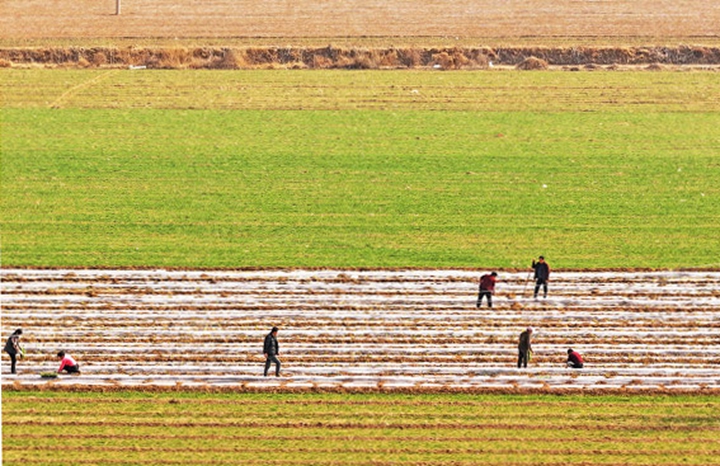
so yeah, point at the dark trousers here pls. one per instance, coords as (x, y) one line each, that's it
(573, 365)
(270, 360)
(13, 361)
(522, 358)
(486, 293)
(72, 369)
(539, 282)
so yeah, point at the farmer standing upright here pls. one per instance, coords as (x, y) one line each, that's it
(13, 348)
(542, 276)
(524, 347)
(271, 349)
(487, 288)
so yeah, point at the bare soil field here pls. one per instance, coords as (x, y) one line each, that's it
(346, 329)
(82, 19)
(368, 35)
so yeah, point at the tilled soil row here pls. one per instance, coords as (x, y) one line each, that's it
(365, 329)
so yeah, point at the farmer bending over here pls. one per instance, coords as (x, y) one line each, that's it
(524, 347)
(13, 349)
(68, 364)
(574, 359)
(487, 288)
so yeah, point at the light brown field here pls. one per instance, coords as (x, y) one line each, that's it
(618, 22)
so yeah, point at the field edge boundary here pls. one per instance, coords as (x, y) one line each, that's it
(178, 268)
(336, 57)
(18, 387)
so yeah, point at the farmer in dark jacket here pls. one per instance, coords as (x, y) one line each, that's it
(13, 348)
(524, 347)
(487, 288)
(271, 349)
(574, 359)
(542, 275)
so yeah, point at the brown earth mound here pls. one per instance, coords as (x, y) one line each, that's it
(357, 58)
(532, 63)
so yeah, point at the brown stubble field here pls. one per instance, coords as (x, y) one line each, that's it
(373, 22)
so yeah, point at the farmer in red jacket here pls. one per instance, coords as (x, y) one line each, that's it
(68, 363)
(574, 359)
(487, 288)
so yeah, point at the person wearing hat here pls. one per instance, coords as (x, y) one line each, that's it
(524, 347)
(542, 276)
(13, 348)
(487, 288)
(574, 359)
(271, 349)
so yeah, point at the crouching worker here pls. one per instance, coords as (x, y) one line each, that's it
(574, 360)
(68, 364)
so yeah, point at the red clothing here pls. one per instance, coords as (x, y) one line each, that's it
(67, 361)
(487, 282)
(575, 358)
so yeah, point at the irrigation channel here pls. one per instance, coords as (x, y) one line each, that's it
(346, 329)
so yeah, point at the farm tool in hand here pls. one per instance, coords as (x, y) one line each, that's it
(527, 279)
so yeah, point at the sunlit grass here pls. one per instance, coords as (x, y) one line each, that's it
(224, 170)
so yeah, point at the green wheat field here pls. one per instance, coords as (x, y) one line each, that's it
(197, 168)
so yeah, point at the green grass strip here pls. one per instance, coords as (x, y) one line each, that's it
(223, 171)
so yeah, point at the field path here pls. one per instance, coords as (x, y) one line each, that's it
(364, 329)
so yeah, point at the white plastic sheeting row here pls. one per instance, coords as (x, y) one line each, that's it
(345, 328)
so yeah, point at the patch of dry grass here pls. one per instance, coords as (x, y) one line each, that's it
(334, 57)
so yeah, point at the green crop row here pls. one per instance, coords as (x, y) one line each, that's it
(411, 409)
(224, 170)
(132, 427)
